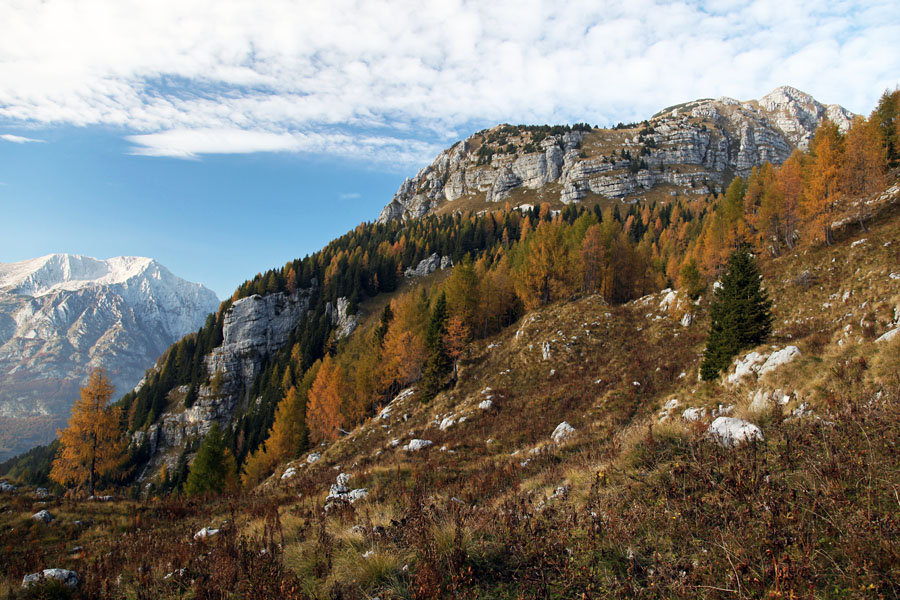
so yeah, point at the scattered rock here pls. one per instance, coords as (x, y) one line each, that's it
(669, 300)
(313, 457)
(7, 487)
(801, 411)
(485, 405)
(447, 423)
(730, 432)
(416, 444)
(745, 366)
(68, 578)
(889, 335)
(288, 473)
(693, 414)
(545, 350)
(687, 319)
(43, 515)
(722, 410)
(562, 432)
(205, 533)
(762, 401)
(779, 358)
(341, 493)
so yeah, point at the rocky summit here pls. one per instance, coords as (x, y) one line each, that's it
(691, 148)
(63, 315)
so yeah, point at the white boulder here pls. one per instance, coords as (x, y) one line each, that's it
(731, 432)
(669, 300)
(205, 533)
(562, 432)
(417, 444)
(447, 423)
(693, 414)
(485, 405)
(42, 515)
(889, 335)
(288, 473)
(313, 457)
(68, 578)
(745, 366)
(779, 358)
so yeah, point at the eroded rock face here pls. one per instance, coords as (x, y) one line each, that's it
(694, 146)
(254, 328)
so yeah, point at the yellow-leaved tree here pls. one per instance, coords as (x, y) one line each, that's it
(323, 412)
(92, 445)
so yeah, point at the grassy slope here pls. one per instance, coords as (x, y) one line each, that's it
(647, 509)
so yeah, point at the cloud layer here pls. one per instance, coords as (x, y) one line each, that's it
(394, 81)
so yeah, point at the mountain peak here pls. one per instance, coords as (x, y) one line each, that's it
(58, 272)
(691, 148)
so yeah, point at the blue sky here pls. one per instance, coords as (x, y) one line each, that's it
(223, 138)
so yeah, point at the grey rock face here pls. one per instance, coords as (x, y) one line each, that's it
(429, 265)
(254, 328)
(340, 317)
(63, 315)
(694, 147)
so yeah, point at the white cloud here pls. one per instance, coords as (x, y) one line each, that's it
(373, 80)
(17, 139)
(350, 196)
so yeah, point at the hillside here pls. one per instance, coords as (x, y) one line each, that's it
(508, 403)
(693, 148)
(636, 502)
(62, 315)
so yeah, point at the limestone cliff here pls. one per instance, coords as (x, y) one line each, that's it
(690, 148)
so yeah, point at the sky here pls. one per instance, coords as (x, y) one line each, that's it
(224, 138)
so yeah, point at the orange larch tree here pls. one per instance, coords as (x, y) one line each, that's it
(323, 412)
(92, 445)
(823, 181)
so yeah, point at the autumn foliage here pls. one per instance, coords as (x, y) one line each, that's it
(92, 445)
(323, 413)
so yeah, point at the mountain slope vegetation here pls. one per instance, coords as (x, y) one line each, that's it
(549, 318)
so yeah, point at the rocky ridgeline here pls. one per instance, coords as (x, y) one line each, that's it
(254, 328)
(690, 147)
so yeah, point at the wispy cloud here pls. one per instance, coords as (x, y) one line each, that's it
(388, 81)
(350, 196)
(17, 139)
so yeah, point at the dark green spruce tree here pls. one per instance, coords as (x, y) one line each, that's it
(214, 469)
(741, 314)
(437, 362)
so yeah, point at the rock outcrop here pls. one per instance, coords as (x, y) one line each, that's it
(730, 432)
(64, 576)
(254, 329)
(690, 148)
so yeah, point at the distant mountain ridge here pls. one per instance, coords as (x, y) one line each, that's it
(691, 148)
(62, 315)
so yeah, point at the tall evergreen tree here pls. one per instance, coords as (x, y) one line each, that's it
(741, 314)
(214, 469)
(438, 363)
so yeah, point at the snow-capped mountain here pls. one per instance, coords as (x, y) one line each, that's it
(62, 315)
